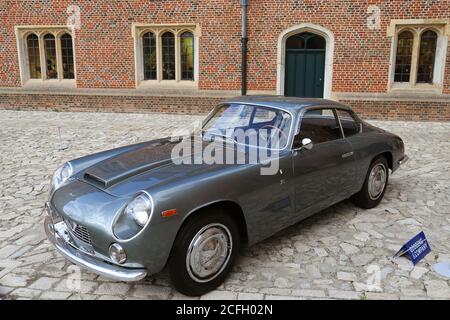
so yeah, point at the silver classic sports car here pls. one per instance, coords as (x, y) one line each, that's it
(258, 164)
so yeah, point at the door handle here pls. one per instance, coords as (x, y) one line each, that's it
(348, 154)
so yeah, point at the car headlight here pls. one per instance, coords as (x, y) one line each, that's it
(140, 209)
(61, 175)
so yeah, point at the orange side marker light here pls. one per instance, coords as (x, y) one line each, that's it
(169, 213)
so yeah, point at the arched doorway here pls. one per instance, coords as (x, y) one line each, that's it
(305, 65)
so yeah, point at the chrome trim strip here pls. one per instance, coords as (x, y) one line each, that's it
(92, 264)
(348, 154)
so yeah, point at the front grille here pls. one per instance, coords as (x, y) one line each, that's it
(78, 231)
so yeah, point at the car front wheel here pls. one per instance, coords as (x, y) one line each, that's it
(204, 252)
(374, 186)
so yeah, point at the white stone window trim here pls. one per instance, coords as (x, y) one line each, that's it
(418, 27)
(138, 30)
(22, 32)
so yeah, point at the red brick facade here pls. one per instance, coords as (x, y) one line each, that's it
(105, 57)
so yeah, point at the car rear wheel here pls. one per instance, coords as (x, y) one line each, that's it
(374, 186)
(204, 252)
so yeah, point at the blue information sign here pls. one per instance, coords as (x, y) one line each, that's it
(416, 248)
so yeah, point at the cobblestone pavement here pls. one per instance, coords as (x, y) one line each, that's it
(342, 252)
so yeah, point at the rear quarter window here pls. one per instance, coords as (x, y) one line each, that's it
(349, 124)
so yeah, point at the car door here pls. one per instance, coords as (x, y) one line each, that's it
(322, 174)
(351, 127)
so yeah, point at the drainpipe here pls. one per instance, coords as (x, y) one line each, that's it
(244, 41)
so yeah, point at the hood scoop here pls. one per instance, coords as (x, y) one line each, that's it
(126, 165)
(95, 180)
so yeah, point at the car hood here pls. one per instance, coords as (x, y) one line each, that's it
(150, 165)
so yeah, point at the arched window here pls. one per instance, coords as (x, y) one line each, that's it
(149, 55)
(305, 41)
(168, 56)
(295, 42)
(403, 56)
(50, 56)
(34, 59)
(67, 56)
(187, 56)
(165, 53)
(315, 43)
(427, 54)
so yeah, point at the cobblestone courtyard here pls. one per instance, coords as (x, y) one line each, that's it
(343, 252)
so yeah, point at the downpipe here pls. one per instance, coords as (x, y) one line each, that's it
(244, 42)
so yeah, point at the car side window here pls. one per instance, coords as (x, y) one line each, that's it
(349, 124)
(319, 125)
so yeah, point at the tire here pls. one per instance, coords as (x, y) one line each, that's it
(214, 229)
(367, 198)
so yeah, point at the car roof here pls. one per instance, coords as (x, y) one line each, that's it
(288, 103)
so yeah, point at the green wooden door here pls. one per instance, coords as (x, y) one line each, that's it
(305, 66)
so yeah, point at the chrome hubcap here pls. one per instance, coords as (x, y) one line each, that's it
(209, 252)
(377, 181)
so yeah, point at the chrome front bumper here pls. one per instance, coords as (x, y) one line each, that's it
(403, 160)
(59, 237)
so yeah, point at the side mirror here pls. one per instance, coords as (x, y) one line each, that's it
(307, 143)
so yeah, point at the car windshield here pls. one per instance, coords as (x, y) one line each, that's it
(250, 125)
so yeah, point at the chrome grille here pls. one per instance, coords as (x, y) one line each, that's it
(78, 231)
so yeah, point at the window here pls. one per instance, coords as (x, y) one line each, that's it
(46, 53)
(418, 56)
(168, 56)
(166, 53)
(427, 54)
(404, 56)
(187, 56)
(348, 123)
(67, 56)
(149, 47)
(50, 56)
(240, 123)
(34, 59)
(305, 40)
(320, 126)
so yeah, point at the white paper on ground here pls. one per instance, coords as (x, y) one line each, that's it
(443, 268)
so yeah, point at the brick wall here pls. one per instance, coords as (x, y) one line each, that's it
(392, 110)
(105, 56)
(105, 103)
(401, 110)
(104, 45)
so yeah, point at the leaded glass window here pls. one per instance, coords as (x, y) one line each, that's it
(67, 56)
(403, 57)
(166, 53)
(34, 59)
(187, 56)
(50, 56)
(149, 54)
(427, 54)
(305, 41)
(168, 56)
